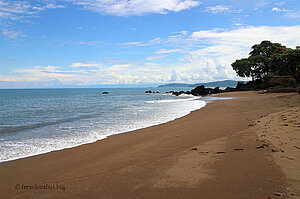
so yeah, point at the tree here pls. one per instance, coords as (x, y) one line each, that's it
(259, 66)
(269, 58)
(286, 62)
(265, 48)
(269, 62)
(242, 67)
(254, 66)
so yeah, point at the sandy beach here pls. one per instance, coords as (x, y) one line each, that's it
(241, 148)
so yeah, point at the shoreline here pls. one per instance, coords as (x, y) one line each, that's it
(113, 134)
(193, 155)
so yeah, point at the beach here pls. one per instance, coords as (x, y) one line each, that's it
(228, 149)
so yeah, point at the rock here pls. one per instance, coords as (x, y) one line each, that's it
(202, 91)
(230, 89)
(216, 90)
(175, 93)
(105, 93)
(194, 149)
(199, 90)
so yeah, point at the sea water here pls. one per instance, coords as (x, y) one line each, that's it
(36, 121)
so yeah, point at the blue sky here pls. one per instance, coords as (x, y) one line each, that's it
(61, 43)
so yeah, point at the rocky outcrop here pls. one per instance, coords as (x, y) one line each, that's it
(151, 91)
(202, 91)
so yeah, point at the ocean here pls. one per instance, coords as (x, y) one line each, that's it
(36, 121)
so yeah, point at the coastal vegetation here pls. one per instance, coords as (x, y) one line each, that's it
(269, 65)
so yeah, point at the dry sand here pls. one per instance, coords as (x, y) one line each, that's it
(240, 148)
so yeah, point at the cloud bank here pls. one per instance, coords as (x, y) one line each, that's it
(211, 60)
(136, 7)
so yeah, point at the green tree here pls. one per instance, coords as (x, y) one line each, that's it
(254, 66)
(242, 67)
(286, 62)
(269, 58)
(265, 48)
(259, 66)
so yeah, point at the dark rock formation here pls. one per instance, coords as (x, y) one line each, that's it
(230, 89)
(217, 90)
(199, 91)
(105, 93)
(148, 91)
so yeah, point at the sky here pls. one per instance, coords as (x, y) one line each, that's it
(82, 43)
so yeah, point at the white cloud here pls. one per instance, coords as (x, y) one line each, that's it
(133, 43)
(211, 61)
(217, 9)
(225, 46)
(275, 9)
(155, 57)
(56, 76)
(261, 3)
(140, 43)
(220, 9)
(168, 51)
(16, 10)
(136, 7)
(279, 3)
(292, 15)
(89, 43)
(247, 36)
(85, 65)
(11, 34)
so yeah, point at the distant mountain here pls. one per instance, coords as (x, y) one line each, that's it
(174, 85)
(225, 83)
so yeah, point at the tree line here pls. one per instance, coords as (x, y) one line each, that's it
(268, 60)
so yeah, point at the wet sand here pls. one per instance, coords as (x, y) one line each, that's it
(228, 149)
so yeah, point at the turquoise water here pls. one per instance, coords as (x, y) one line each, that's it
(35, 121)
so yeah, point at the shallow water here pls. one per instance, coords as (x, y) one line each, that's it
(35, 121)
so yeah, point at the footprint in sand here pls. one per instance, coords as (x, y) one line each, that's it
(287, 157)
(262, 146)
(204, 152)
(238, 149)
